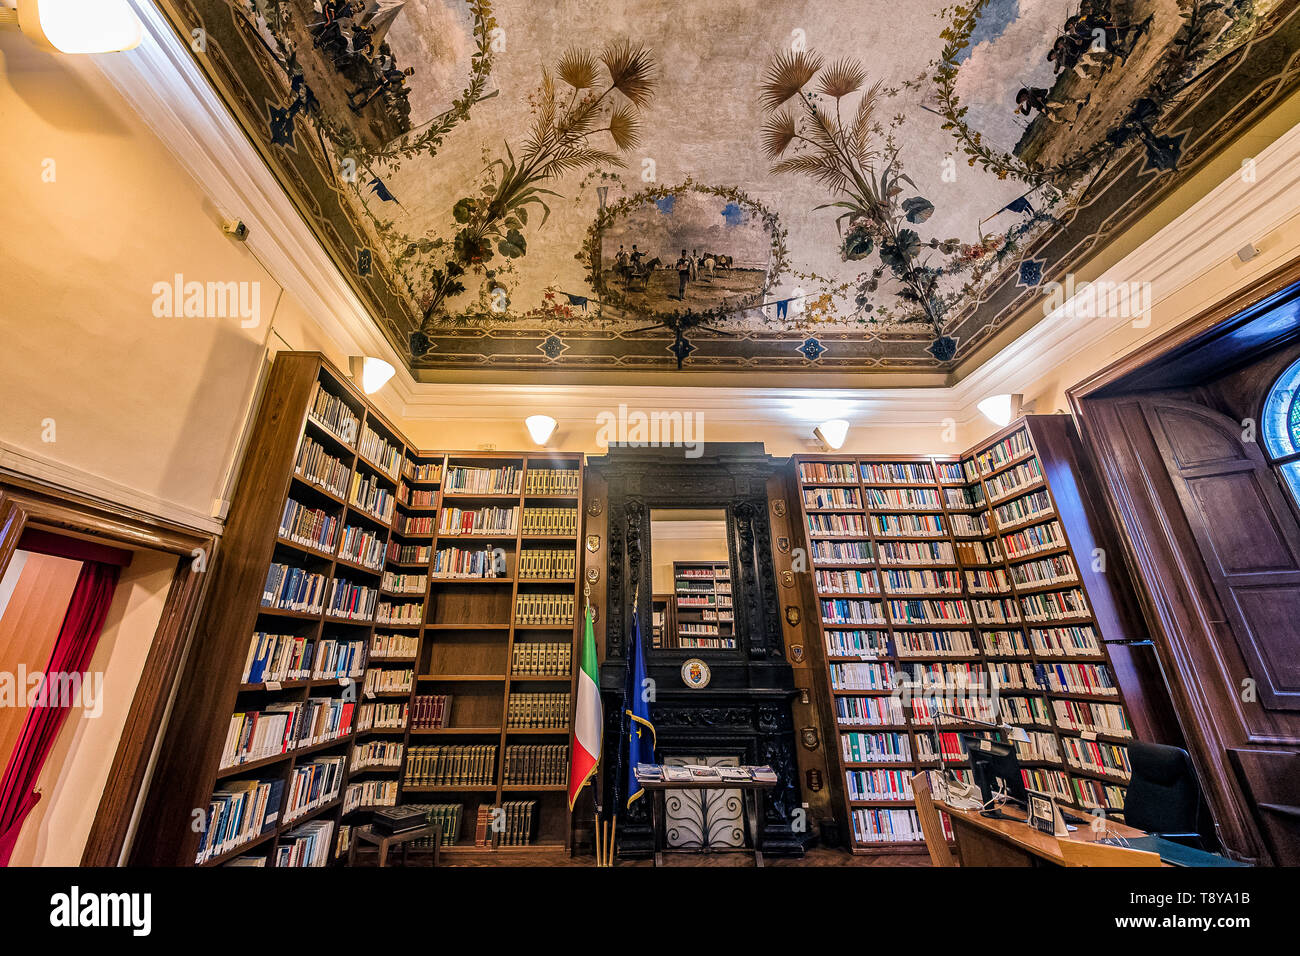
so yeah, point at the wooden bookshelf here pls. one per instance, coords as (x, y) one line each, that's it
(368, 527)
(901, 550)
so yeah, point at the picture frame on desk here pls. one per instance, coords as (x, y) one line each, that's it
(1045, 815)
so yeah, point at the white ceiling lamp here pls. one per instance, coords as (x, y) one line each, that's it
(832, 433)
(372, 373)
(541, 427)
(78, 26)
(1000, 409)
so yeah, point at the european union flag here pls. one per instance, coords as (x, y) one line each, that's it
(641, 732)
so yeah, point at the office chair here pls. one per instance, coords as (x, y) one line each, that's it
(1163, 797)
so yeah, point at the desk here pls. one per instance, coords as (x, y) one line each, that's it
(367, 834)
(752, 803)
(982, 841)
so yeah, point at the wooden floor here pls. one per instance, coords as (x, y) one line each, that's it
(818, 856)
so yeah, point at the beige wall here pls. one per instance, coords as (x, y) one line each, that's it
(73, 778)
(145, 409)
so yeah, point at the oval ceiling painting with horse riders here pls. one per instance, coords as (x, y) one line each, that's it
(813, 186)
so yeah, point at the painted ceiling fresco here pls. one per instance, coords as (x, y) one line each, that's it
(850, 185)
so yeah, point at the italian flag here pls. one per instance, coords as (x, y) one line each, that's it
(588, 719)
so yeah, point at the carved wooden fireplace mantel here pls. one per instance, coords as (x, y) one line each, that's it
(745, 710)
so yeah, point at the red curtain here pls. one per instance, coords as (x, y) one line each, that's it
(72, 652)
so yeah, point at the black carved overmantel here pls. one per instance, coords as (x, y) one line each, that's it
(745, 710)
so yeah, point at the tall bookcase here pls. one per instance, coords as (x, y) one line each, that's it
(333, 494)
(915, 588)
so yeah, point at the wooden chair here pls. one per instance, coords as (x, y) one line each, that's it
(1081, 853)
(931, 825)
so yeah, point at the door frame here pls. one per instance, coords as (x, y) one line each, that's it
(27, 503)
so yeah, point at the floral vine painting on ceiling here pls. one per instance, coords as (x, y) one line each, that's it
(611, 167)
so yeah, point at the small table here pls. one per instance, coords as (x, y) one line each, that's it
(753, 794)
(367, 834)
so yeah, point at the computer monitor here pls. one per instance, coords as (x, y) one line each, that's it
(995, 768)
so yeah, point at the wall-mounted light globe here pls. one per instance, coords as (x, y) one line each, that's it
(541, 427)
(81, 26)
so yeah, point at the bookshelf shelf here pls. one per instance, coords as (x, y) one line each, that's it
(331, 501)
(921, 628)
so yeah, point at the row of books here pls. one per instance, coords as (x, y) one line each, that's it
(1092, 718)
(886, 825)
(828, 472)
(432, 711)
(894, 785)
(1073, 641)
(362, 546)
(334, 414)
(289, 588)
(970, 525)
(991, 581)
(390, 646)
(706, 643)
(1050, 781)
(465, 479)
(709, 572)
(1080, 679)
(310, 527)
(542, 765)
(930, 612)
(994, 610)
(979, 552)
(1015, 445)
(546, 711)
(837, 524)
(498, 521)
(409, 553)
(370, 793)
(918, 677)
(1097, 757)
(909, 499)
(372, 754)
(1014, 480)
(1095, 795)
(460, 765)
(925, 709)
(544, 609)
(402, 583)
(845, 611)
(965, 498)
(849, 581)
(408, 614)
(416, 498)
(821, 499)
(888, 747)
(869, 711)
(276, 657)
(1057, 569)
(316, 466)
(237, 813)
(861, 676)
(382, 680)
(1028, 507)
(1025, 711)
(354, 602)
(289, 725)
(559, 563)
(921, 581)
(422, 471)
(516, 823)
(907, 525)
(935, 644)
(466, 563)
(369, 495)
(382, 716)
(381, 451)
(897, 472)
(312, 785)
(842, 552)
(550, 521)
(414, 525)
(339, 658)
(552, 481)
(550, 659)
(1054, 605)
(447, 816)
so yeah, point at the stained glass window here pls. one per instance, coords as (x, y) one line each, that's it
(1281, 426)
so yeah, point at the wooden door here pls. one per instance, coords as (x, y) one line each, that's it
(1247, 537)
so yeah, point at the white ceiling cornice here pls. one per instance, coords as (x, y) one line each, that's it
(162, 82)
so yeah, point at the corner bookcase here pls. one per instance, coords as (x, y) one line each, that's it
(960, 573)
(369, 641)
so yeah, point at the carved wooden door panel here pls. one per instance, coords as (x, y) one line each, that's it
(1246, 534)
